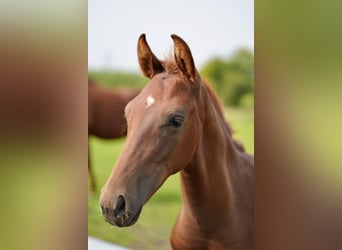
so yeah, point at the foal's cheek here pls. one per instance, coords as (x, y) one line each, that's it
(186, 149)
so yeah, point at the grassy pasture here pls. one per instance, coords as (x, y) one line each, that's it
(158, 216)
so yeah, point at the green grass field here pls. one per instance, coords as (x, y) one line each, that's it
(158, 216)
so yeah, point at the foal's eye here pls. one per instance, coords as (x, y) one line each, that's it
(176, 121)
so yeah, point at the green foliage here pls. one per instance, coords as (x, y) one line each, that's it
(118, 79)
(232, 78)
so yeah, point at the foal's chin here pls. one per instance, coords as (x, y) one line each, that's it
(126, 220)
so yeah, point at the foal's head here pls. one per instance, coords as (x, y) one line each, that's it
(164, 127)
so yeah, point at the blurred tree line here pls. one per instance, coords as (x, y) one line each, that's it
(232, 78)
(117, 79)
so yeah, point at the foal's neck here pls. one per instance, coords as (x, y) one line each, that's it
(217, 189)
(207, 191)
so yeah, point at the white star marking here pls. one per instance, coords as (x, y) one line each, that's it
(149, 101)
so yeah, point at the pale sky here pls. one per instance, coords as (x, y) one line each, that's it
(210, 27)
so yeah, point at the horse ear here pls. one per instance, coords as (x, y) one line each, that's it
(149, 63)
(184, 58)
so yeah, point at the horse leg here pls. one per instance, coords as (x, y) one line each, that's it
(90, 173)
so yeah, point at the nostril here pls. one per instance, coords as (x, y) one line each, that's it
(120, 207)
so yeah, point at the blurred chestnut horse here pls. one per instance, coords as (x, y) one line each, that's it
(177, 124)
(106, 114)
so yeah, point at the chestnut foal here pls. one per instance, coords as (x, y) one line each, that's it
(176, 124)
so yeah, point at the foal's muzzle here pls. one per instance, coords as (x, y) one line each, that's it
(119, 216)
